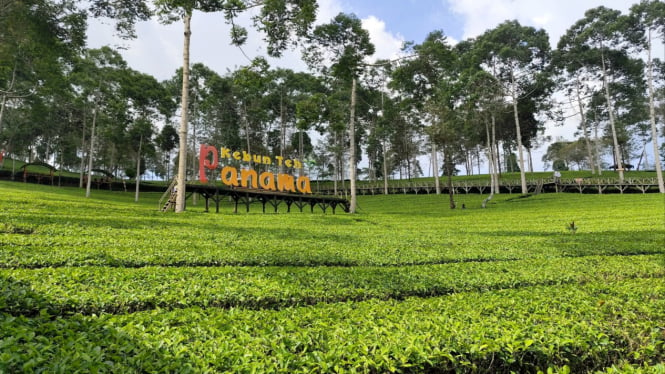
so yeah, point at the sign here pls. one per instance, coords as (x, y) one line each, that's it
(209, 159)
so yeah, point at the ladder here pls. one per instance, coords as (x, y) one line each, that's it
(172, 194)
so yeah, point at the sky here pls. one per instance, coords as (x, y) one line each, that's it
(158, 48)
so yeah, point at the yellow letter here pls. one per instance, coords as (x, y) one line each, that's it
(245, 175)
(246, 157)
(266, 160)
(288, 163)
(303, 185)
(236, 155)
(297, 164)
(226, 153)
(230, 176)
(279, 160)
(285, 182)
(267, 181)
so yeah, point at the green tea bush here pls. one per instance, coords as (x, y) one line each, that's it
(407, 285)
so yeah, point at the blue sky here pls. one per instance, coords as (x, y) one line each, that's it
(412, 19)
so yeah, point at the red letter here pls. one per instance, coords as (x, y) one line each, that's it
(204, 163)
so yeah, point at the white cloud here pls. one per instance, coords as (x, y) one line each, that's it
(554, 16)
(387, 45)
(158, 48)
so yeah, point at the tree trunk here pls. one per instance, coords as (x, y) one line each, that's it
(61, 167)
(491, 165)
(91, 151)
(2, 111)
(138, 170)
(4, 96)
(449, 167)
(519, 136)
(497, 150)
(435, 168)
(610, 110)
(497, 162)
(301, 150)
(596, 146)
(282, 133)
(192, 125)
(352, 145)
(191, 171)
(82, 172)
(182, 158)
(336, 164)
(246, 121)
(587, 142)
(642, 157)
(654, 129)
(385, 169)
(478, 159)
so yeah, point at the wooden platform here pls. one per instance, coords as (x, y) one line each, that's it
(607, 185)
(535, 186)
(247, 197)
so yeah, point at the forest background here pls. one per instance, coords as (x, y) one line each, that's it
(53, 89)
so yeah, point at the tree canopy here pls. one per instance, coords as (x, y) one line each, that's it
(483, 101)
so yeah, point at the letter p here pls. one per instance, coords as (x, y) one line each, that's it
(204, 163)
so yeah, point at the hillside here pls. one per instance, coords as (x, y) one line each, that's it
(560, 282)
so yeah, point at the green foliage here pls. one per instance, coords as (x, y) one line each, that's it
(339, 47)
(405, 285)
(559, 165)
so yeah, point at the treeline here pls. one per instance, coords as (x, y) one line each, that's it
(481, 101)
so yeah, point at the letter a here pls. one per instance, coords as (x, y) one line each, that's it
(247, 175)
(303, 185)
(230, 176)
(267, 181)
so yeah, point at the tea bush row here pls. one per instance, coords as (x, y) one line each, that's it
(90, 290)
(577, 327)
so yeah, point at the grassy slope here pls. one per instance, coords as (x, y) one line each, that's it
(402, 285)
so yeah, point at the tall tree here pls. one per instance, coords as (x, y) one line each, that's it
(167, 140)
(575, 84)
(38, 41)
(148, 102)
(481, 105)
(99, 76)
(518, 57)
(600, 40)
(251, 85)
(651, 15)
(339, 49)
(426, 81)
(286, 90)
(280, 20)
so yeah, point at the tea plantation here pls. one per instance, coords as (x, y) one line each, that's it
(407, 285)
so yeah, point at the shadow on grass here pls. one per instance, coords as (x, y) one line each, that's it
(33, 340)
